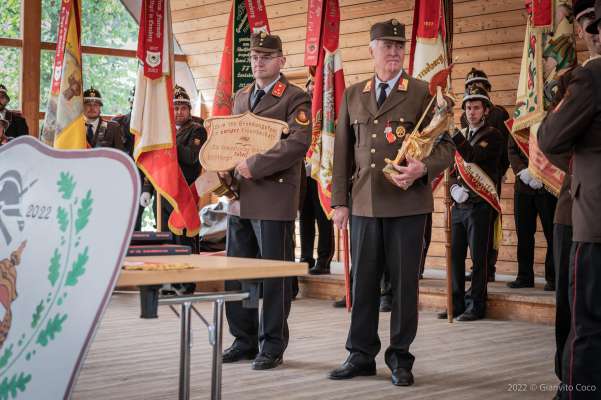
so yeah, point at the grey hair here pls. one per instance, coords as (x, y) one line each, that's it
(372, 44)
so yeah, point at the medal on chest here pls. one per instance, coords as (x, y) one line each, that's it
(388, 133)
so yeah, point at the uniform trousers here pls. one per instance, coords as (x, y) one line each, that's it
(272, 240)
(379, 245)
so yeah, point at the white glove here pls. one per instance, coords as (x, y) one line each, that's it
(459, 193)
(145, 199)
(535, 184)
(525, 176)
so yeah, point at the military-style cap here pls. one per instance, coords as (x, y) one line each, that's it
(266, 43)
(476, 93)
(180, 96)
(92, 96)
(4, 91)
(476, 75)
(388, 30)
(583, 7)
(592, 28)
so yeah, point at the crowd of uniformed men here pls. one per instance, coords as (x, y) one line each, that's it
(388, 219)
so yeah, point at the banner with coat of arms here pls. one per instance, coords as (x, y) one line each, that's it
(549, 51)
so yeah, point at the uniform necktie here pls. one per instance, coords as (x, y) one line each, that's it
(260, 94)
(382, 96)
(89, 134)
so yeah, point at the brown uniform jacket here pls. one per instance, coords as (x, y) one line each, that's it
(485, 149)
(361, 147)
(273, 191)
(17, 125)
(189, 139)
(575, 125)
(108, 134)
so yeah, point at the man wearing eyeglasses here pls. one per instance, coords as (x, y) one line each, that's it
(269, 186)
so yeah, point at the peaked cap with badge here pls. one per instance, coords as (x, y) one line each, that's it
(92, 96)
(388, 30)
(180, 96)
(265, 42)
(477, 76)
(476, 93)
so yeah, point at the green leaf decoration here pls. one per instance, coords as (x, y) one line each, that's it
(8, 353)
(54, 269)
(83, 212)
(78, 268)
(53, 326)
(66, 185)
(18, 383)
(37, 314)
(63, 219)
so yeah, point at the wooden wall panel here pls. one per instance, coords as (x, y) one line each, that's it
(489, 35)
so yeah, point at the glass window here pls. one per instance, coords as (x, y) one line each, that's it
(10, 74)
(105, 23)
(10, 19)
(114, 77)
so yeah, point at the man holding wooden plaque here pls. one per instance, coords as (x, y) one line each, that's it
(268, 191)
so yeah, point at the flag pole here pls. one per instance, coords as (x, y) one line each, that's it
(159, 215)
(447, 231)
(347, 274)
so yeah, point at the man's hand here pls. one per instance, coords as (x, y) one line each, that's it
(525, 176)
(242, 169)
(408, 174)
(340, 217)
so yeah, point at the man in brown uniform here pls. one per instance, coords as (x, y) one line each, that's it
(17, 126)
(388, 220)
(99, 133)
(269, 197)
(575, 125)
(562, 230)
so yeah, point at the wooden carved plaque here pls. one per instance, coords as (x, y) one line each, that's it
(234, 138)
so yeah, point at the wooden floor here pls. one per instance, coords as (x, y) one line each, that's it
(132, 358)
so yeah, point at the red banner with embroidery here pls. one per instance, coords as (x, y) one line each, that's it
(67, 7)
(481, 184)
(327, 97)
(151, 39)
(314, 23)
(257, 16)
(542, 12)
(428, 14)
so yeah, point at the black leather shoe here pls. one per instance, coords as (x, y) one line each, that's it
(237, 353)
(444, 315)
(266, 361)
(469, 316)
(320, 268)
(348, 370)
(385, 304)
(518, 284)
(549, 287)
(340, 303)
(402, 377)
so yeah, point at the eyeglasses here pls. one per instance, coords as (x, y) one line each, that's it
(264, 59)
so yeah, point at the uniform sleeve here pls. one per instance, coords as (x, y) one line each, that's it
(517, 160)
(187, 153)
(572, 116)
(290, 150)
(343, 156)
(440, 158)
(117, 136)
(488, 148)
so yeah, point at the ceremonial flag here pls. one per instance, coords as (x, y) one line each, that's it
(428, 53)
(545, 57)
(152, 120)
(430, 44)
(64, 124)
(321, 52)
(246, 16)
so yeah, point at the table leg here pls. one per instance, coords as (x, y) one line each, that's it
(217, 349)
(185, 342)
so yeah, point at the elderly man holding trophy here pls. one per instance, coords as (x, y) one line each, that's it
(380, 119)
(262, 145)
